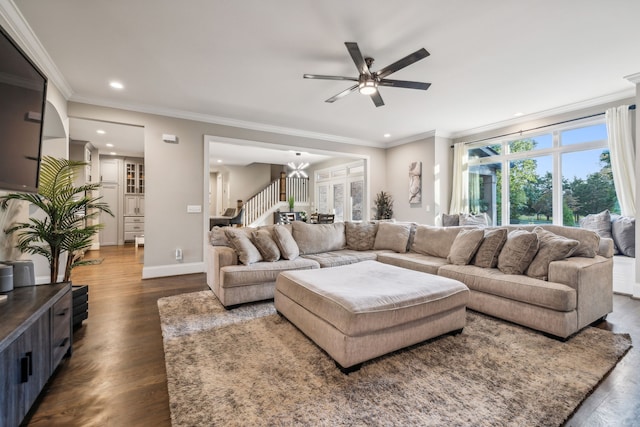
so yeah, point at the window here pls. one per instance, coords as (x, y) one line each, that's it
(340, 190)
(555, 177)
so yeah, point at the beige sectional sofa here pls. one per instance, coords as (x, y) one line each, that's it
(551, 278)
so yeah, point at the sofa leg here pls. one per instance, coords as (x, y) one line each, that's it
(350, 369)
(231, 307)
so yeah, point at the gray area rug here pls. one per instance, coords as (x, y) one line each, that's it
(249, 366)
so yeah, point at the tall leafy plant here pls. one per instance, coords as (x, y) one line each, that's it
(67, 210)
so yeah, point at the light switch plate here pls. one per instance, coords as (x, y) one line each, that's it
(194, 209)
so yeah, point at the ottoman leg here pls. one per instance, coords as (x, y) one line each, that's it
(350, 369)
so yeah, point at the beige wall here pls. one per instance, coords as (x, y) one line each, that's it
(175, 178)
(434, 153)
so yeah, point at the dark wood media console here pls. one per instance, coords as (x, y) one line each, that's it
(35, 334)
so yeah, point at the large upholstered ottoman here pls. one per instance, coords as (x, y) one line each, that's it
(360, 311)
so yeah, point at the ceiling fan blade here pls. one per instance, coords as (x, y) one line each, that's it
(404, 84)
(404, 62)
(377, 99)
(342, 94)
(357, 57)
(321, 77)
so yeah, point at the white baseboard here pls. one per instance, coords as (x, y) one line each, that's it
(172, 270)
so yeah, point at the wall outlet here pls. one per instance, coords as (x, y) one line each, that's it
(178, 254)
(194, 208)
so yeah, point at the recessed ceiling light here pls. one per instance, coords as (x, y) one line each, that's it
(518, 114)
(387, 135)
(109, 145)
(219, 161)
(113, 153)
(116, 85)
(100, 131)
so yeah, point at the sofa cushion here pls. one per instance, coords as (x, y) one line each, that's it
(316, 238)
(487, 254)
(267, 247)
(261, 272)
(518, 252)
(361, 236)
(434, 241)
(392, 236)
(465, 246)
(286, 244)
(413, 261)
(623, 230)
(551, 248)
(341, 257)
(247, 252)
(555, 296)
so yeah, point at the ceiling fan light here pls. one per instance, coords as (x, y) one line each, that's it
(368, 87)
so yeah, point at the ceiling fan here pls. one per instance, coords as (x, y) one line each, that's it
(369, 81)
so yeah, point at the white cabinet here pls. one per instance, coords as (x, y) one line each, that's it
(109, 170)
(133, 205)
(133, 227)
(133, 199)
(133, 176)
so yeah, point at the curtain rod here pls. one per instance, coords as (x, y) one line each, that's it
(631, 107)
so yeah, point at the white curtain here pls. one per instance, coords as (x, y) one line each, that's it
(460, 186)
(623, 155)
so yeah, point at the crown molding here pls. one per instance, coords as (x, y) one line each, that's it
(26, 38)
(616, 96)
(633, 78)
(225, 121)
(411, 138)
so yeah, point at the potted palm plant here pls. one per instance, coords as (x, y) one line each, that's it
(65, 227)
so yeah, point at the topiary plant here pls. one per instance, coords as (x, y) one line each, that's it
(383, 206)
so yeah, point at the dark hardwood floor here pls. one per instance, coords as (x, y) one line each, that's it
(116, 376)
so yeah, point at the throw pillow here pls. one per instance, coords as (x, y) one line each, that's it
(480, 219)
(623, 230)
(465, 246)
(518, 252)
(600, 223)
(489, 250)
(392, 236)
(434, 241)
(361, 236)
(287, 246)
(218, 238)
(551, 248)
(266, 246)
(318, 238)
(247, 252)
(450, 220)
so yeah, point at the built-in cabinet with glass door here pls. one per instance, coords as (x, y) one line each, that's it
(133, 199)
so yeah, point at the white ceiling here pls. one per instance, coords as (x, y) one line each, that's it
(109, 138)
(241, 62)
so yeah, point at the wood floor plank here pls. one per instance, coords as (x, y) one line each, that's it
(117, 377)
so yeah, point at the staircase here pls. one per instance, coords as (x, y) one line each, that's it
(258, 208)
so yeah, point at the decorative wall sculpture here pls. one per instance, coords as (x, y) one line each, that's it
(415, 182)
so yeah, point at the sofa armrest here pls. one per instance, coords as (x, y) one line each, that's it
(592, 278)
(218, 257)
